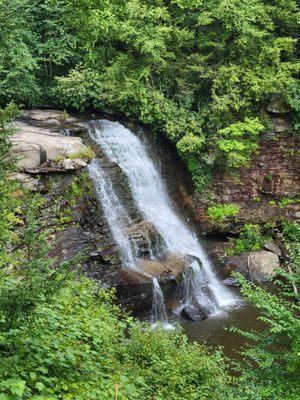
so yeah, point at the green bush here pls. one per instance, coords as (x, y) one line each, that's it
(239, 140)
(78, 348)
(220, 212)
(291, 231)
(250, 239)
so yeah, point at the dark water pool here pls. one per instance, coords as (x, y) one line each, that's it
(213, 331)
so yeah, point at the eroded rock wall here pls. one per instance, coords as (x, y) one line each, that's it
(266, 191)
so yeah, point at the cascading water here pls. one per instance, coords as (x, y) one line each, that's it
(66, 132)
(122, 147)
(158, 309)
(114, 212)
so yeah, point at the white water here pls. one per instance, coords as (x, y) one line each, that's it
(158, 309)
(114, 212)
(121, 146)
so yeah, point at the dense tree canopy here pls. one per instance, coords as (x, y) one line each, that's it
(189, 68)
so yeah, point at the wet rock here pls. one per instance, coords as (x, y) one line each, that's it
(256, 265)
(145, 237)
(134, 290)
(231, 282)
(165, 270)
(193, 313)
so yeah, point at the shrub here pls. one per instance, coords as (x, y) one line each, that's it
(78, 348)
(250, 239)
(219, 212)
(238, 141)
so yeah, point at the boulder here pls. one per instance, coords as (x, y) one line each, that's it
(68, 164)
(43, 115)
(231, 282)
(273, 247)
(193, 313)
(52, 121)
(38, 146)
(256, 265)
(29, 155)
(169, 268)
(27, 181)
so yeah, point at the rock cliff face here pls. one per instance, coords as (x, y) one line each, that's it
(266, 191)
(53, 164)
(52, 160)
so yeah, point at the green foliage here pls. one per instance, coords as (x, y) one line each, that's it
(78, 348)
(284, 201)
(190, 145)
(291, 232)
(18, 64)
(219, 212)
(8, 202)
(198, 72)
(86, 154)
(239, 140)
(250, 239)
(79, 89)
(270, 366)
(27, 277)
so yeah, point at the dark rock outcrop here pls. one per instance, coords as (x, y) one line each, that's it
(193, 313)
(231, 282)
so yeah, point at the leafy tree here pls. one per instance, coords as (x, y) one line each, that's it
(18, 65)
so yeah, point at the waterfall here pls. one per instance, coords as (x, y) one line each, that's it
(158, 308)
(114, 212)
(122, 147)
(66, 132)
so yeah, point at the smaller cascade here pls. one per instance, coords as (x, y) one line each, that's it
(66, 132)
(193, 291)
(114, 212)
(158, 307)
